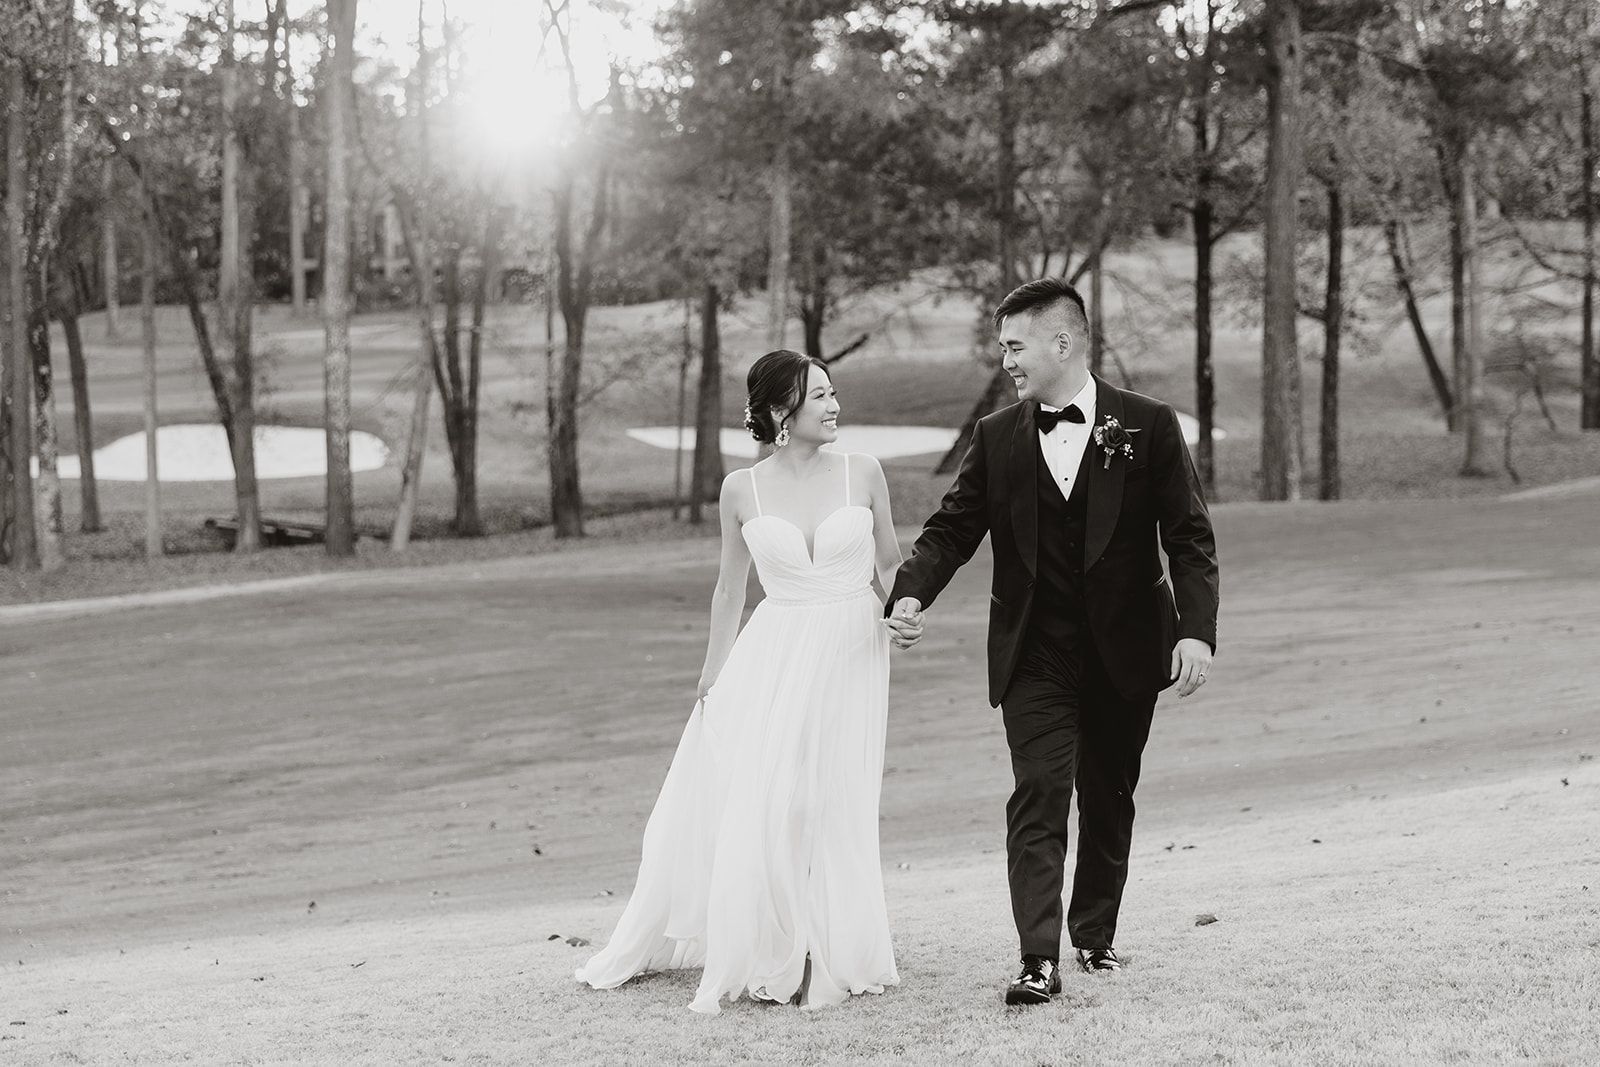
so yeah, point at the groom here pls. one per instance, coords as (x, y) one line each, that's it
(1076, 486)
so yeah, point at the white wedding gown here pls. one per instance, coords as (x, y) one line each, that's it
(761, 855)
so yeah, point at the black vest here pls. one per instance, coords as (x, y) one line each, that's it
(1058, 611)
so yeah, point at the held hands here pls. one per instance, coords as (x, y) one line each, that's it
(905, 622)
(1191, 662)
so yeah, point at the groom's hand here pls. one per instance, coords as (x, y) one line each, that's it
(905, 622)
(1191, 662)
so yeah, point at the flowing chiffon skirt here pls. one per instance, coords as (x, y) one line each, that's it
(760, 860)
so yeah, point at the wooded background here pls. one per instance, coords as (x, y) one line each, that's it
(225, 157)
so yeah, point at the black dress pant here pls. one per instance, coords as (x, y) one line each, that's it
(1065, 723)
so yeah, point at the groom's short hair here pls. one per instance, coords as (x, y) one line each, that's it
(1041, 295)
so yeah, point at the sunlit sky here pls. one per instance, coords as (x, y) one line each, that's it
(514, 72)
(504, 35)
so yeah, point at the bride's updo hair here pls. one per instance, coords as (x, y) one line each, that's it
(777, 380)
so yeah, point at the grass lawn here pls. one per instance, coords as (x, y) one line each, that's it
(1386, 796)
(926, 363)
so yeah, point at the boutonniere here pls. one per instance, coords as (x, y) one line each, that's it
(1114, 437)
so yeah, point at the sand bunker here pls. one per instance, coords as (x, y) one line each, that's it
(885, 442)
(199, 453)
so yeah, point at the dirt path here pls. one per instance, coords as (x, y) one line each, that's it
(1449, 926)
(373, 743)
(432, 770)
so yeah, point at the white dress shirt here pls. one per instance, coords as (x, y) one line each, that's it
(1063, 446)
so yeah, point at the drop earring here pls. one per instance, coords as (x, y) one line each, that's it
(783, 436)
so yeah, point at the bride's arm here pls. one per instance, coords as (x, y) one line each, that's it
(727, 601)
(886, 547)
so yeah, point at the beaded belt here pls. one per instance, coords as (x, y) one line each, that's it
(865, 590)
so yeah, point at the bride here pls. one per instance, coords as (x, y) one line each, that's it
(760, 859)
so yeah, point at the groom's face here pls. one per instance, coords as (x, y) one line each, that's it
(1035, 350)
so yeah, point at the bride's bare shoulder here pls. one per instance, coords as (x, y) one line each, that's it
(866, 477)
(865, 460)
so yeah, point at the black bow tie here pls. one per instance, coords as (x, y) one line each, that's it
(1046, 420)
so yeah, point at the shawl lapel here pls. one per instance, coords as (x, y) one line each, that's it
(1024, 494)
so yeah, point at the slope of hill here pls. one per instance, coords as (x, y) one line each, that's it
(341, 823)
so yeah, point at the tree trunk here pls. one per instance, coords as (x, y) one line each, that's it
(182, 263)
(82, 421)
(447, 367)
(1005, 192)
(216, 374)
(417, 437)
(297, 189)
(1005, 208)
(781, 180)
(414, 230)
(574, 278)
(43, 254)
(153, 543)
(247, 493)
(1402, 280)
(22, 551)
(1097, 291)
(1205, 384)
(1589, 415)
(812, 325)
(340, 538)
(5, 420)
(1202, 215)
(468, 521)
(110, 269)
(1280, 365)
(683, 400)
(47, 489)
(993, 395)
(247, 487)
(705, 483)
(1333, 327)
(1472, 351)
(232, 302)
(228, 265)
(1458, 281)
(566, 491)
(814, 298)
(550, 370)
(277, 21)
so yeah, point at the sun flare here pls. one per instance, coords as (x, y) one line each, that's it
(517, 94)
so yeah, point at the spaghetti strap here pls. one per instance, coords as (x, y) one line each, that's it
(847, 479)
(756, 492)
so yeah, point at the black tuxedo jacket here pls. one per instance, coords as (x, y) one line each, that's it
(1134, 505)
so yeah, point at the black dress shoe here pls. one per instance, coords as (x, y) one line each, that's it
(1038, 981)
(1099, 959)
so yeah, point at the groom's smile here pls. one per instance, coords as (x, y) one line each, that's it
(1038, 354)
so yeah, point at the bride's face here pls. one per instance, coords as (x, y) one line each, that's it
(817, 419)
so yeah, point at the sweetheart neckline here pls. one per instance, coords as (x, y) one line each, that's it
(811, 556)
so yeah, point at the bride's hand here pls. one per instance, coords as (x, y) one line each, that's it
(706, 682)
(905, 625)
